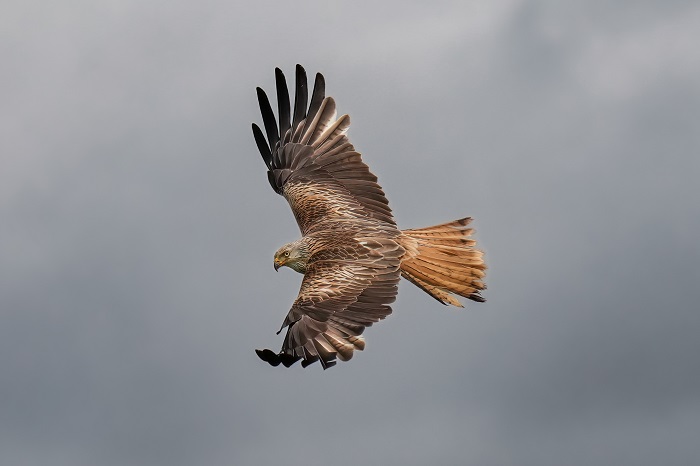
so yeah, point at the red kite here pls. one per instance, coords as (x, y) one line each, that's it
(351, 252)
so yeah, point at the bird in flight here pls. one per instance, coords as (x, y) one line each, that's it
(351, 252)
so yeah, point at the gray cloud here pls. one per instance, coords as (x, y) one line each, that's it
(138, 231)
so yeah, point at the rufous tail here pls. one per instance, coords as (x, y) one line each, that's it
(442, 261)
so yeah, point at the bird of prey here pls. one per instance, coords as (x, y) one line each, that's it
(351, 252)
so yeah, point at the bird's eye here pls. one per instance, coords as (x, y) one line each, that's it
(286, 253)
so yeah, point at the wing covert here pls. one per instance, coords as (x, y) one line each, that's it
(310, 160)
(336, 302)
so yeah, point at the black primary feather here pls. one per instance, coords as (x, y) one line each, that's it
(317, 96)
(268, 119)
(273, 183)
(268, 356)
(300, 97)
(262, 145)
(287, 359)
(282, 102)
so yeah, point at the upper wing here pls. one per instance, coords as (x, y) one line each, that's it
(337, 301)
(311, 162)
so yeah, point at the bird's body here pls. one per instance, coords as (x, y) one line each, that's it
(351, 252)
(342, 240)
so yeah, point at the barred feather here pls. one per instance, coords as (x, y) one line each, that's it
(351, 253)
(442, 260)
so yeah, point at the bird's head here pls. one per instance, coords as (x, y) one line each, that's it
(293, 255)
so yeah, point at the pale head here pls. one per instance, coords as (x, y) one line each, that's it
(293, 255)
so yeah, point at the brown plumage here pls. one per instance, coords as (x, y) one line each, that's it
(351, 253)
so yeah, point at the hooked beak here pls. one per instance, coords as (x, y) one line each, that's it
(277, 265)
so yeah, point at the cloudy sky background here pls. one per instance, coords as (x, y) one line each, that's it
(137, 230)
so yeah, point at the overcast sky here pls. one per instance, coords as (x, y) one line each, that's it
(137, 230)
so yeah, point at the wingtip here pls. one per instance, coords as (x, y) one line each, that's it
(288, 360)
(328, 364)
(301, 75)
(279, 75)
(269, 357)
(307, 362)
(320, 79)
(262, 96)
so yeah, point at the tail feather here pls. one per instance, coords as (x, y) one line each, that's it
(468, 258)
(437, 293)
(442, 261)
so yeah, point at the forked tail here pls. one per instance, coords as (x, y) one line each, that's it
(441, 260)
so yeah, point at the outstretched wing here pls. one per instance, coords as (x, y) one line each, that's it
(337, 301)
(311, 162)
